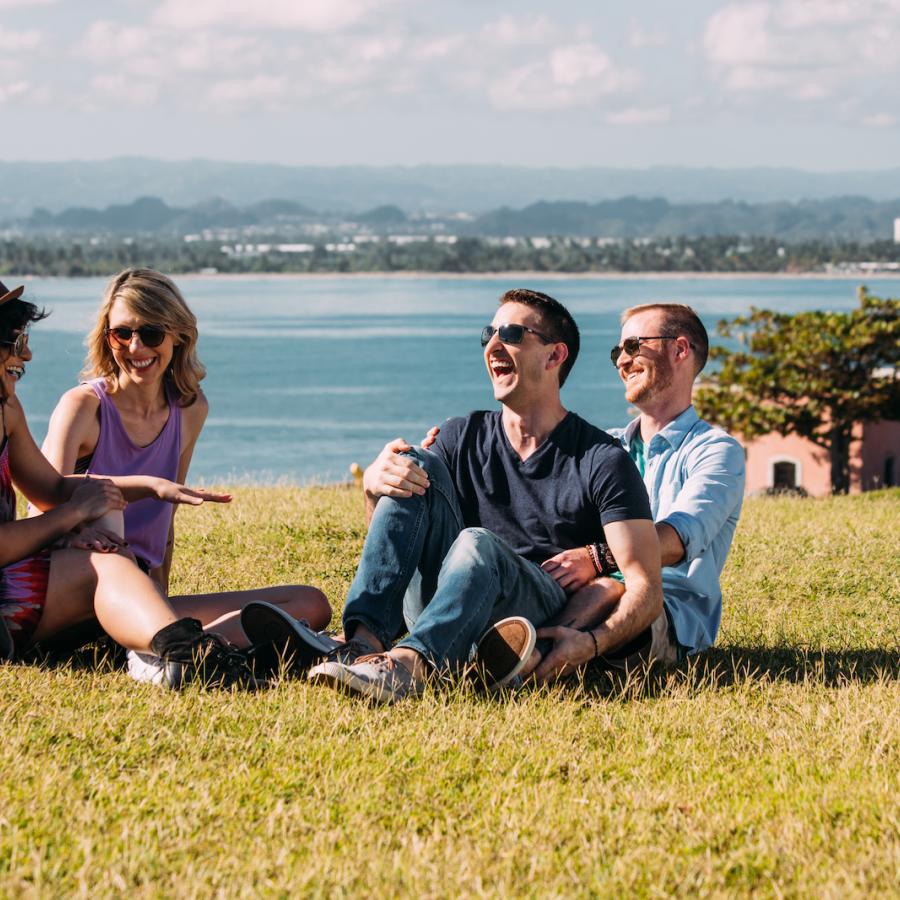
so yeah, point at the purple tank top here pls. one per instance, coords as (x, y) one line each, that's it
(147, 522)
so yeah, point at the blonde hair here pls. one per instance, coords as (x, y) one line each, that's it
(154, 298)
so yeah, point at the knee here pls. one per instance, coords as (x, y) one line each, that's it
(430, 462)
(305, 602)
(478, 545)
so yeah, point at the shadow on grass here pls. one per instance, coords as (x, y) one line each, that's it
(725, 667)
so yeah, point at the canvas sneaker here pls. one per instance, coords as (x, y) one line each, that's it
(145, 667)
(344, 654)
(377, 677)
(503, 651)
(191, 655)
(276, 636)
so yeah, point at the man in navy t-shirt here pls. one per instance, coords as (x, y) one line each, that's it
(457, 534)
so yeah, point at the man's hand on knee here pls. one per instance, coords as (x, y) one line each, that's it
(394, 475)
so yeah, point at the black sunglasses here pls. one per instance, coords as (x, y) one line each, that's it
(511, 334)
(19, 344)
(632, 345)
(150, 335)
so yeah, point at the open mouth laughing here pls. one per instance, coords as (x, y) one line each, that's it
(17, 372)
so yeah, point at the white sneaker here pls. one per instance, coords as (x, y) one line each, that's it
(146, 667)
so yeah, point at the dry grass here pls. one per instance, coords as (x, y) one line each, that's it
(769, 767)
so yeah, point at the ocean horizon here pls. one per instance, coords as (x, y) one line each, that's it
(309, 374)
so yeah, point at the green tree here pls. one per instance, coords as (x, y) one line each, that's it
(814, 374)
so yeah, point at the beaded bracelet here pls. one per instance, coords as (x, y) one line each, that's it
(595, 557)
(596, 645)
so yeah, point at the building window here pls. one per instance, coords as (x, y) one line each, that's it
(784, 476)
(889, 473)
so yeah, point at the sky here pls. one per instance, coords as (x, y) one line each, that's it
(813, 84)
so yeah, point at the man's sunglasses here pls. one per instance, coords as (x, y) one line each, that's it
(632, 345)
(511, 334)
(150, 335)
(19, 344)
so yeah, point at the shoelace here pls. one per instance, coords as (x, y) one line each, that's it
(348, 647)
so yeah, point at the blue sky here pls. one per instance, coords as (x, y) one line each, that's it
(808, 83)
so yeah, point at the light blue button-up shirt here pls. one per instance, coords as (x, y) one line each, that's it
(694, 475)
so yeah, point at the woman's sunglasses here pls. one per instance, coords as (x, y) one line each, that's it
(510, 334)
(19, 344)
(150, 335)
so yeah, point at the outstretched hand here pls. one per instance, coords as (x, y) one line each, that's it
(571, 569)
(394, 475)
(171, 492)
(571, 649)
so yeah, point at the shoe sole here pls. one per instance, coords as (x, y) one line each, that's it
(266, 623)
(504, 648)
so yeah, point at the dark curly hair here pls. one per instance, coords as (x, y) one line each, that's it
(16, 315)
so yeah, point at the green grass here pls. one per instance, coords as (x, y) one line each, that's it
(770, 766)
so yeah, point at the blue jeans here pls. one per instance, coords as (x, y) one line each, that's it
(423, 571)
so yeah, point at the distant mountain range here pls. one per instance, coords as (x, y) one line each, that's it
(56, 186)
(841, 218)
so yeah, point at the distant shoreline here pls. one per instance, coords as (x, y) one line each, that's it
(545, 276)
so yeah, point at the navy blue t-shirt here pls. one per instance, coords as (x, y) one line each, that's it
(577, 481)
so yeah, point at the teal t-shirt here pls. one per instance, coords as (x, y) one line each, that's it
(636, 452)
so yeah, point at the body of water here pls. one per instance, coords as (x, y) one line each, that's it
(307, 375)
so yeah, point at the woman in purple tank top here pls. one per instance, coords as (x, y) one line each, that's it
(49, 585)
(140, 411)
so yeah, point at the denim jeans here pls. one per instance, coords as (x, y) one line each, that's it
(423, 571)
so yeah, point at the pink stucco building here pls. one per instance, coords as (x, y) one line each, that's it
(792, 461)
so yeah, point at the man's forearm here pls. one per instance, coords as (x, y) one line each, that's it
(640, 606)
(671, 549)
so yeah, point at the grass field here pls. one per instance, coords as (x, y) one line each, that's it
(770, 766)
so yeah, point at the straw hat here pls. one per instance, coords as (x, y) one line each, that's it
(14, 294)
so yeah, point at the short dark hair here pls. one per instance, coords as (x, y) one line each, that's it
(681, 321)
(16, 315)
(556, 320)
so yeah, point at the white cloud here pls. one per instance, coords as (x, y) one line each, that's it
(569, 76)
(640, 37)
(16, 89)
(806, 50)
(19, 41)
(121, 89)
(302, 15)
(640, 115)
(21, 4)
(510, 31)
(244, 93)
(880, 120)
(738, 34)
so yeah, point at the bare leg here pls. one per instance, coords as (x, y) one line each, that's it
(131, 609)
(221, 612)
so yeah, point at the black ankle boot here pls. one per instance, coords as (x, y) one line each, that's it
(192, 654)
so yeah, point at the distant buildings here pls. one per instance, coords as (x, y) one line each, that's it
(790, 463)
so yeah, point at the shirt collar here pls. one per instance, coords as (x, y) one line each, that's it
(673, 434)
